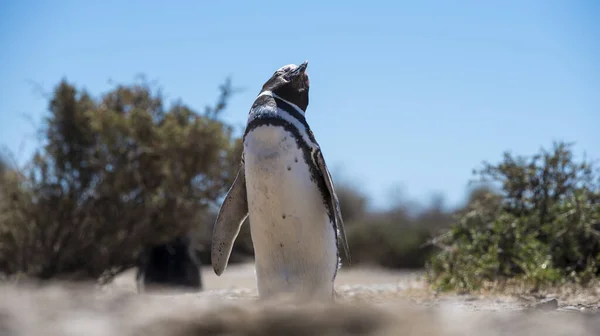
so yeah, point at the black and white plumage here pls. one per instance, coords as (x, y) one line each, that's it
(284, 187)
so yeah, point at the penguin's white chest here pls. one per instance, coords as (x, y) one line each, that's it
(294, 240)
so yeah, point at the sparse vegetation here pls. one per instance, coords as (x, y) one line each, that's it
(542, 228)
(122, 172)
(395, 238)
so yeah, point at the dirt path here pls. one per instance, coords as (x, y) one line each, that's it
(372, 302)
(377, 285)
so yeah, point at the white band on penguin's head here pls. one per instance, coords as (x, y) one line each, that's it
(287, 67)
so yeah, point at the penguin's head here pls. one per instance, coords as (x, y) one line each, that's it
(291, 83)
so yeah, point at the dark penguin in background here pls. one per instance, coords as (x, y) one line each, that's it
(172, 266)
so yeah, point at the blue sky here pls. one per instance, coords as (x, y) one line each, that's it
(405, 95)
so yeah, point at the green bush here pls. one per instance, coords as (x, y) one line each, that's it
(542, 228)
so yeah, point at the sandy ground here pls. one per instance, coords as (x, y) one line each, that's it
(371, 302)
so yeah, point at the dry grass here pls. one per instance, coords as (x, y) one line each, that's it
(372, 302)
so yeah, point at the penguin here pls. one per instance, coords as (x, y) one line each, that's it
(284, 188)
(172, 265)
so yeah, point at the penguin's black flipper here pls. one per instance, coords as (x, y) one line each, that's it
(341, 234)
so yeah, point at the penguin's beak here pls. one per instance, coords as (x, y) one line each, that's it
(298, 71)
(302, 67)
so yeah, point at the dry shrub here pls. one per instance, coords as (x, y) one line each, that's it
(113, 175)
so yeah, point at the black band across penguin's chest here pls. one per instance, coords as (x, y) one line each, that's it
(272, 119)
